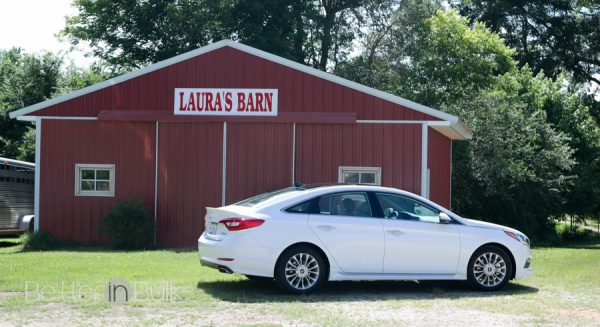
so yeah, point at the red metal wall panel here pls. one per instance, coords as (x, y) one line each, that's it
(190, 154)
(129, 146)
(259, 159)
(396, 148)
(439, 162)
(189, 179)
(231, 68)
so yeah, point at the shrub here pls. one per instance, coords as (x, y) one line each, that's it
(128, 226)
(41, 241)
(566, 233)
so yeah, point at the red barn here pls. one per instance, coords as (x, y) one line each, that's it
(219, 124)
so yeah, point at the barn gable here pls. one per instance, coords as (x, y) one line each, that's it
(147, 93)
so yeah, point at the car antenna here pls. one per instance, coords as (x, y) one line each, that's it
(299, 185)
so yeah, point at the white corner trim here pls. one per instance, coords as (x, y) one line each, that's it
(250, 50)
(424, 147)
(36, 191)
(293, 153)
(451, 171)
(155, 180)
(224, 175)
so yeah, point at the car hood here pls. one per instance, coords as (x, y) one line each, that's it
(485, 224)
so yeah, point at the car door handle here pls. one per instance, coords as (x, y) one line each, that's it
(395, 232)
(326, 228)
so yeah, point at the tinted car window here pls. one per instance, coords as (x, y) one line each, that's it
(405, 208)
(353, 204)
(253, 201)
(303, 207)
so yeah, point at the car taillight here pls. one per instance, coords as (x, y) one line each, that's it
(233, 224)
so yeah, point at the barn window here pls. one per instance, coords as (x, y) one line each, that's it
(359, 175)
(94, 180)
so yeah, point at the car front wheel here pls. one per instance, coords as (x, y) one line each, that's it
(490, 268)
(300, 270)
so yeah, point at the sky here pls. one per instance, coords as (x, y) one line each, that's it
(33, 25)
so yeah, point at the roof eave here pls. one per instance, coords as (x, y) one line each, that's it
(453, 130)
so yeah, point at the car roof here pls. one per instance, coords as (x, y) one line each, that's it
(351, 187)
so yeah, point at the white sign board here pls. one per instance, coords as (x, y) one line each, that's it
(225, 102)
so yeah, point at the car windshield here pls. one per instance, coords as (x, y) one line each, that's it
(256, 200)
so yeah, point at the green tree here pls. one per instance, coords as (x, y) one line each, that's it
(385, 60)
(569, 113)
(25, 79)
(133, 33)
(518, 166)
(73, 77)
(434, 61)
(549, 35)
(282, 27)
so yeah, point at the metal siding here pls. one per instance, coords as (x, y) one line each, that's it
(259, 159)
(189, 179)
(190, 154)
(321, 149)
(16, 199)
(439, 163)
(129, 146)
(230, 68)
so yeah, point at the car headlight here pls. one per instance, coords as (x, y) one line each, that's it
(519, 237)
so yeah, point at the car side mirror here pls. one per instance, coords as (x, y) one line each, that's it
(444, 218)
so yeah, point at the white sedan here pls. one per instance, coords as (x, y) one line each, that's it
(303, 237)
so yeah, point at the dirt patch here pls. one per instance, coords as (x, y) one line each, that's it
(582, 313)
(366, 313)
(58, 314)
(4, 295)
(446, 315)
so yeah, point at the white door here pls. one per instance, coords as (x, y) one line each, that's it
(415, 241)
(346, 226)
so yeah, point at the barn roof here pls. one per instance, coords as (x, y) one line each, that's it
(448, 121)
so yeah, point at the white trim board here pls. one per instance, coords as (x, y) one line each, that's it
(224, 167)
(293, 153)
(424, 164)
(36, 191)
(33, 118)
(454, 131)
(250, 50)
(155, 181)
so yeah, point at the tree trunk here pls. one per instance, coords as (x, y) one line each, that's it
(300, 35)
(326, 41)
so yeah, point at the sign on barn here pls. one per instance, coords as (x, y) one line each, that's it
(230, 102)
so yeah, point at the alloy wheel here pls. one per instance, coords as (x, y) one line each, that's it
(302, 271)
(489, 269)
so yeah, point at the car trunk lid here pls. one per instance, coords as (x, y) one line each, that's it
(221, 222)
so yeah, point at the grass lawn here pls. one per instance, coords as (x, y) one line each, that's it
(67, 287)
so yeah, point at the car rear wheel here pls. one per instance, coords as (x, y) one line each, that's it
(490, 268)
(300, 270)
